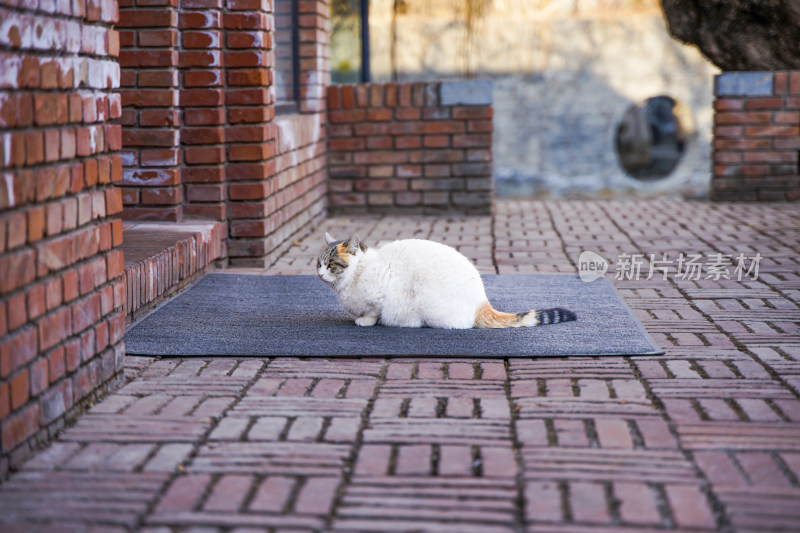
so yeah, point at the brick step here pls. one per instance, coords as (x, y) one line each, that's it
(163, 257)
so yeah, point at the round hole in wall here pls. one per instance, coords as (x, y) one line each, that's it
(651, 138)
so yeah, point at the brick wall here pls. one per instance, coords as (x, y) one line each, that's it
(756, 136)
(286, 196)
(201, 137)
(411, 147)
(61, 289)
(276, 186)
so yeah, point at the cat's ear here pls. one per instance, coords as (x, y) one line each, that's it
(355, 244)
(328, 238)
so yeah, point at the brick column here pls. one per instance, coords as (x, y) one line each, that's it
(250, 132)
(202, 108)
(199, 96)
(314, 51)
(275, 171)
(151, 157)
(756, 136)
(418, 148)
(61, 289)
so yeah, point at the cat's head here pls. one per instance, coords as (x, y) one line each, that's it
(339, 258)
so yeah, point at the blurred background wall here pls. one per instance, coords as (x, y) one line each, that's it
(574, 81)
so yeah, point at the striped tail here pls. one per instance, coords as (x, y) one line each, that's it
(487, 317)
(554, 316)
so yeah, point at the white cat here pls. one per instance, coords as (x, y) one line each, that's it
(415, 283)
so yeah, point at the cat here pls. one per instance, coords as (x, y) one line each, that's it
(416, 283)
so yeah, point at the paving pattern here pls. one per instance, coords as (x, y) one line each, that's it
(704, 438)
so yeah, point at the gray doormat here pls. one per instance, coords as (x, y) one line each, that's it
(251, 315)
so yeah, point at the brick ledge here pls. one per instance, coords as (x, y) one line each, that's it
(163, 257)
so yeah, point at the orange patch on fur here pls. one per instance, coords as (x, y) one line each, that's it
(341, 249)
(488, 317)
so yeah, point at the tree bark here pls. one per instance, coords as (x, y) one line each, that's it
(739, 34)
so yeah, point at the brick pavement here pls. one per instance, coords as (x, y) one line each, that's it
(704, 438)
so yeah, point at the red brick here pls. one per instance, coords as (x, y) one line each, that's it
(407, 114)
(786, 144)
(201, 39)
(728, 157)
(588, 502)
(20, 387)
(16, 223)
(56, 401)
(334, 97)
(5, 400)
(19, 426)
(348, 144)
(107, 297)
(115, 264)
(72, 354)
(772, 131)
(16, 350)
(379, 115)
(56, 363)
(116, 232)
(433, 128)
(480, 126)
(436, 141)
(113, 201)
(728, 131)
(770, 157)
(204, 155)
(205, 193)
(51, 108)
(34, 147)
(472, 113)
(142, 18)
(39, 376)
(754, 104)
(794, 83)
(788, 117)
(254, 152)
(248, 191)
(741, 144)
(339, 117)
(17, 311)
(690, 507)
(207, 19)
(18, 268)
(86, 379)
(116, 328)
(53, 293)
(249, 115)
(52, 144)
(101, 335)
(203, 59)
(203, 135)
(36, 303)
(161, 196)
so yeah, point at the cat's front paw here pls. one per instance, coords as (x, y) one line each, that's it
(366, 321)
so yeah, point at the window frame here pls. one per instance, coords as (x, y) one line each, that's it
(293, 105)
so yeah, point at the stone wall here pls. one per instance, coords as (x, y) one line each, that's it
(61, 288)
(411, 147)
(757, 136)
